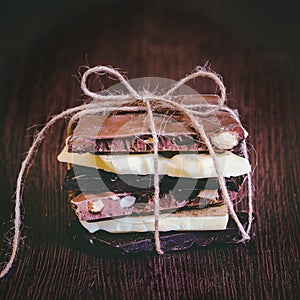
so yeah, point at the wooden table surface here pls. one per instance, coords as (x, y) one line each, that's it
(254, 46)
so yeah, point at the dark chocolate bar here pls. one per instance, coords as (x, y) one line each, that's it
(104, 244)
(91, 180)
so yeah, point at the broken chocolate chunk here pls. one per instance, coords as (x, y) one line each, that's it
(105, 244)
(90, 180)
(130, 132)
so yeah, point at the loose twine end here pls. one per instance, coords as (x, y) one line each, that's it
(116, 103)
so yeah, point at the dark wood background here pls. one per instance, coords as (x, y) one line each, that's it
(254, 46)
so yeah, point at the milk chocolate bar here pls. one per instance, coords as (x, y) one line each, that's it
(93, 207)
(130, 132)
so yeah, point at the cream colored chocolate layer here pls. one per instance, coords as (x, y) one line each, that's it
(211, 218)
(180, 165)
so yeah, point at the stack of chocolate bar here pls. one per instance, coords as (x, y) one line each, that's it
(110, 169)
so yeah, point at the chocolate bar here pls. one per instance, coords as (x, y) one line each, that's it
(102, 243)
(130, 132)
(91, 180)
(94, 207)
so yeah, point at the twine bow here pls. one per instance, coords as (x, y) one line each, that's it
(126, 102)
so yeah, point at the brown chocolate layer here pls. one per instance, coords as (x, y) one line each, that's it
(130, 132)
(91, 207)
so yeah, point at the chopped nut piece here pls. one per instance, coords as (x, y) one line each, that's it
(225, 140)
(95, 206)
(127, 201)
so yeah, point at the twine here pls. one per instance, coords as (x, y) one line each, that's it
(133, 101)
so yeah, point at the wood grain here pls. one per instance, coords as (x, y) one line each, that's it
(255, 51)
